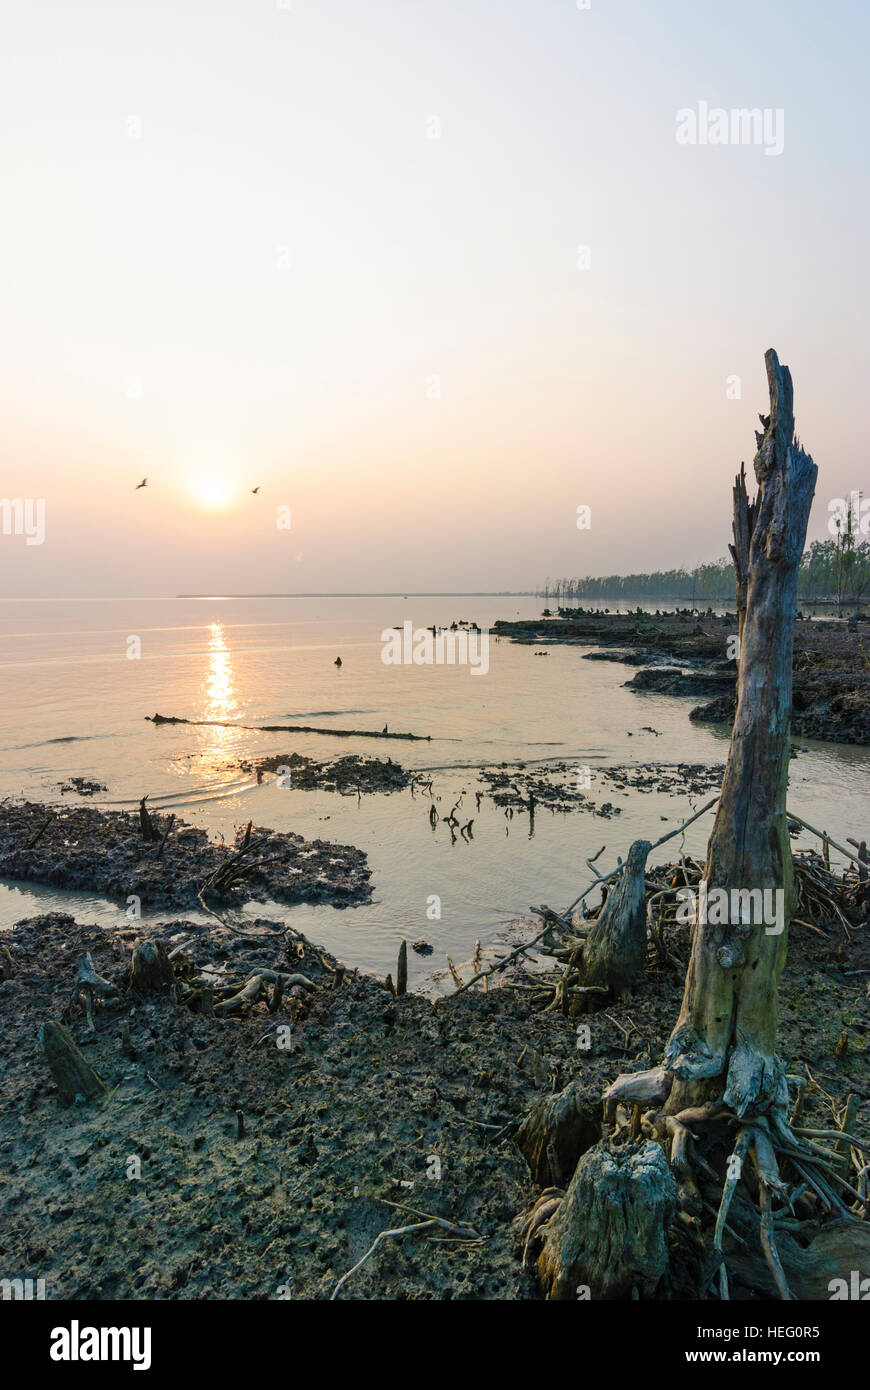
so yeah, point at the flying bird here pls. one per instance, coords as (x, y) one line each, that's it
(255, 489)
(144, 483)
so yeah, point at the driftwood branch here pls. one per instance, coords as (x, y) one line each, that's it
(244, 999)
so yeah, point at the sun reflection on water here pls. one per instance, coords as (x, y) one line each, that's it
(219, 687)
(218, 702)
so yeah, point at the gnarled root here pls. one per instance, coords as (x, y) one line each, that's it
(547, 1204)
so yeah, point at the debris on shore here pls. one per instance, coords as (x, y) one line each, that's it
(262, 1115)
(85, 786)
(165, 862)
(555, 787)
(351, 775)
(672, 778)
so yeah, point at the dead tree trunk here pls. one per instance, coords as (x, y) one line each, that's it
(557, 1130)
(615, 949)
(720, 1059)
(723, 1043)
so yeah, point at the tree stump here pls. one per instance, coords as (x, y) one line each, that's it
(74, 1076)
(609, 1234)
(556, 1131)
(615, 949)
(151, 969)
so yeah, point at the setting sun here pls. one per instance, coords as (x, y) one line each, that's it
(212, 492)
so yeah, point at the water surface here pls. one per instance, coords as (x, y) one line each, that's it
(75, 705)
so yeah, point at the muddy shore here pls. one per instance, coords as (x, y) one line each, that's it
(258, 1155)
(82, 847)
(687, 654)
(351, 775)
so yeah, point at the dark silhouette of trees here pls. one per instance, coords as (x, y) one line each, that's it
(832, 571)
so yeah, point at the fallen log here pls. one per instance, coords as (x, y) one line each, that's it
(288, 728)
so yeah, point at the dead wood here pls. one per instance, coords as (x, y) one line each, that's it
(75, 1078)
(615, 948)
(726, 1030)
(607, 1239)
(151, 969)
(147, 828)
(241, 1003)
(556, 1131)
(7, 963)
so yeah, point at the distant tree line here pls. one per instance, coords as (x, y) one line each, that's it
(833, 571)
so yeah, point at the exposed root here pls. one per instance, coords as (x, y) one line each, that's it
(546, 1206)
(787, 1168)
(769, 1245)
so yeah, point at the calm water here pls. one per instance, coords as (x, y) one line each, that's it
(74, 704)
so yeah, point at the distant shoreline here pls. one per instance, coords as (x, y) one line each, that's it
(389, 593)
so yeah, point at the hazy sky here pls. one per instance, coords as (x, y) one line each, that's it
(333, 248)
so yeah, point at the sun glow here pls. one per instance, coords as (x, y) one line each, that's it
(212, 492)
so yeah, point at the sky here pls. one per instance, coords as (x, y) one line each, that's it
(431, 274)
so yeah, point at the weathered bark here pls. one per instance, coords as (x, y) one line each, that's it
(724, 1037)
(87, 977)
(151, 969)
(556, 1131)
(91, 986)
(74, 1076)
(615, 949)
(608, 1231)
(745, 515)
(608, 1236)
(637, 1088)
(7, 964)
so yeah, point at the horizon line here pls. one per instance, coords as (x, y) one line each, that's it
(386, 593)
